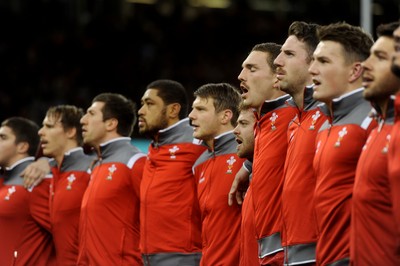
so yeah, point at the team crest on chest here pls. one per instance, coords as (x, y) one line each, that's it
(111, 171)
(386, 148)
(230, 162)
(70, 179)
(273, 120)
(10, 191)
(173, 151)
(341, 133)
(314, 119)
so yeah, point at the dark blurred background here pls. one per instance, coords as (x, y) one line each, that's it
(67, 51)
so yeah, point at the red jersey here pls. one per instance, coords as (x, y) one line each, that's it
(248, 239)
(109, 222)
(269, 158)
(23, 240)
(374, 236)
(339, 146)
(69, 182)
(214, 172)
(300, 232)
(39, 203)
(14, 212)
(169, 212)
(394, 162)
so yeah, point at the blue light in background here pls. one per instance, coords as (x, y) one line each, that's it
(141, 144)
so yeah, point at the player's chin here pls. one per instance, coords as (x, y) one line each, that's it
(317, 96)
(197, 135)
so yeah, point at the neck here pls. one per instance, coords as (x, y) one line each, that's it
(107, 138)
(172, 121)
(349, 89)
(329, 105)
(298, 95)
(277, 93)
(298, 99)
(224, 129)
(209, 142)
(383, 105)
(69, 146)
(353, 86)
(153, 134)
(15, 159)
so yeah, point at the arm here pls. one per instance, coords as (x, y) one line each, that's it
(35, 172)
(239, 185)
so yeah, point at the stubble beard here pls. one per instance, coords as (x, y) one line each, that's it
(160, 123)
(395, 69)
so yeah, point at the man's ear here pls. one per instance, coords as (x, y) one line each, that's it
(356, 72)
(226, 116)
(111, 124)
(22, 147)
(71, 132)
(173, 110)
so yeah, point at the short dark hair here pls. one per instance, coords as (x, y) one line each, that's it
(171, 91)
(70, 117)
(25, 130)
(355, 41)
(306, 33)
(272, 49)
(225, 96)
(387, 29)
(119, 107)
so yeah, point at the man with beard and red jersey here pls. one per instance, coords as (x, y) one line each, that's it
(299, 229)
(394, 147)
(244, 132)
(170, 222)
(374, 236)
